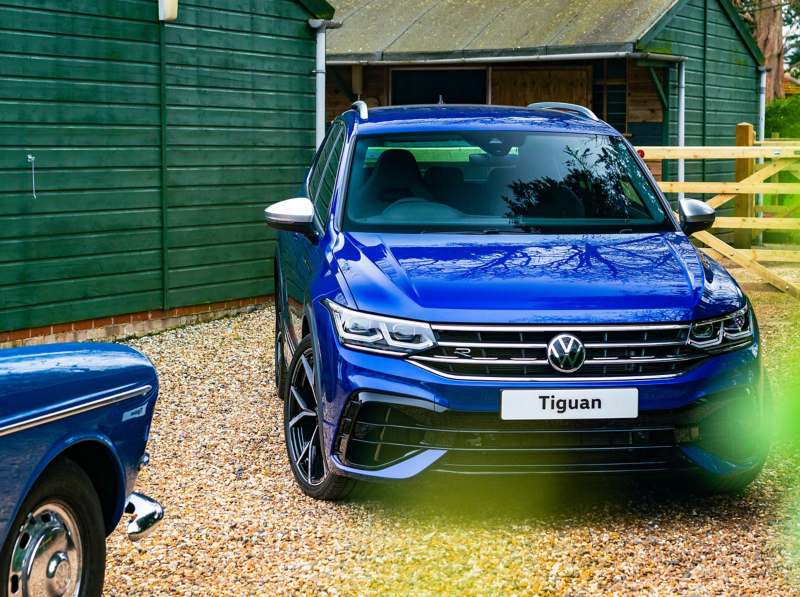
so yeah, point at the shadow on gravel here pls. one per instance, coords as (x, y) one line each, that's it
(524, 500)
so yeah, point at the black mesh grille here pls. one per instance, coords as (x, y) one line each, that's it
(373, 435)
(522, 352)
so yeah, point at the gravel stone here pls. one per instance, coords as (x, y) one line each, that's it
(236, 524)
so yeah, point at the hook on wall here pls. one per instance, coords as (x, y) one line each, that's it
(31, 160)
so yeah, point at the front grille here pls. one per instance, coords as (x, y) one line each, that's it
(499, 352)
(373, 435)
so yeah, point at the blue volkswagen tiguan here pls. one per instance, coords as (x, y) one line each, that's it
(496, 290)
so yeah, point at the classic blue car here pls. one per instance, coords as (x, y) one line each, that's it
(483, 289)
(74, 423)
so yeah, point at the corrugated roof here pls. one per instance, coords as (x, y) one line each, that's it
(416, 29)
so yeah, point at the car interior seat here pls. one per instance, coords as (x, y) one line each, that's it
(396, 176)
(447, 185)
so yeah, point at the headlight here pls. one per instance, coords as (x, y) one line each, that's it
(377, 333)
(723, 334)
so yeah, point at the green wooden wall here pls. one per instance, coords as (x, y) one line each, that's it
(96, 90)
(721, 84)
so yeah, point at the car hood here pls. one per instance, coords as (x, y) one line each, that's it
(39, 378)
(586, 278)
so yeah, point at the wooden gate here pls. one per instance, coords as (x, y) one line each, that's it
(749, 219)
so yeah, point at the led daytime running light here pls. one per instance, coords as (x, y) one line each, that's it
(378, 333)
(720, 333)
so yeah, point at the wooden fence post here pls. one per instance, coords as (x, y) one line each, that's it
(744, 206)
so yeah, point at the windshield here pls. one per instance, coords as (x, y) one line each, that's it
(486, 182)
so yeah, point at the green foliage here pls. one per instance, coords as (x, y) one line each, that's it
(783, 117)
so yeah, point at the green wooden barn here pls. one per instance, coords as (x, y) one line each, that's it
(516, 52)
(153, 149)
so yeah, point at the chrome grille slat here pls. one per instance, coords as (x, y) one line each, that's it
(559, 329)
(521, 361)
(631, 344)
(509, 352)
(493, 344)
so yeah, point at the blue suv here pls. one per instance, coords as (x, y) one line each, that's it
(483, 289)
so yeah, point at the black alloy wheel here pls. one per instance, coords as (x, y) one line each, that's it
(303, 431)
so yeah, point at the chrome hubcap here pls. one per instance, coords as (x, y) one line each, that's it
(304, 434)
(47, 560)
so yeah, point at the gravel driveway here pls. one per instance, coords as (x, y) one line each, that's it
(236, 524)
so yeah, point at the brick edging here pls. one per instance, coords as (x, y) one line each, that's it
(121, 327)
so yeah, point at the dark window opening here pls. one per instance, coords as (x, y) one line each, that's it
(455, 86)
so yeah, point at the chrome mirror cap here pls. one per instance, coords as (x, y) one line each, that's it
(695, 216)
(147, 515)
(296, 211)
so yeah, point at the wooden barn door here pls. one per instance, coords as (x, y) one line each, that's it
(520, 86)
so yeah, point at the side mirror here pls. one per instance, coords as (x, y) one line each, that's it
(695, 216)
(293, 215)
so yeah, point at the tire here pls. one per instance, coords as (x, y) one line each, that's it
(62, 514)
(301, 427)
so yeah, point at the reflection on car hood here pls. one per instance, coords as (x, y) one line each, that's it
(534, 278)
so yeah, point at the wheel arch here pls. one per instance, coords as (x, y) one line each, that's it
(98, 458)
(106, 475)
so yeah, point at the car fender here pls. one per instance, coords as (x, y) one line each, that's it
(57, 450)
(308, 315)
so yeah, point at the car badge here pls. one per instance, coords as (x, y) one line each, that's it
(566, 353)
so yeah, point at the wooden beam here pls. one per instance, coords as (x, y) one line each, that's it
(731, 188)
(784, 141)
(759, 223)
(719, 200)
(759, 255)
(788, 210)
(784, 212)
(659, 90)
(717, 153)
(747, 263)
(761, 175)
(795, 167)
(764, 171)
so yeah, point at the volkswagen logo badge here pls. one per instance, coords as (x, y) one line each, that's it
(566, 353)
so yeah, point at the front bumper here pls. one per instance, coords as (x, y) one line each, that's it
(147, 515)
(387, 419)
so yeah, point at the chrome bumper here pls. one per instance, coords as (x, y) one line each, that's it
(147, 515)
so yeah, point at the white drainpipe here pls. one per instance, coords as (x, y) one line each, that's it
(762, 105)
(321, 26)
(681, 118)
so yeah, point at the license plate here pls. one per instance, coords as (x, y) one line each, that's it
(548, 404)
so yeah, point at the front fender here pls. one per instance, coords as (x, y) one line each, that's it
(57, 449)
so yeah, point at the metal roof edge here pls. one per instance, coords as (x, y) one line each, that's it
(536, 53)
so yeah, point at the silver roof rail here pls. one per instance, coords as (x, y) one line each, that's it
(363, 113)
(586, 112)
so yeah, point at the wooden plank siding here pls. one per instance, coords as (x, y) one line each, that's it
(721, 86)
(240, 116)
(644, 110)
(81, 91)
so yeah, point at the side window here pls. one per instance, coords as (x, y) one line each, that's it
(324, 193)
(319, 166)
